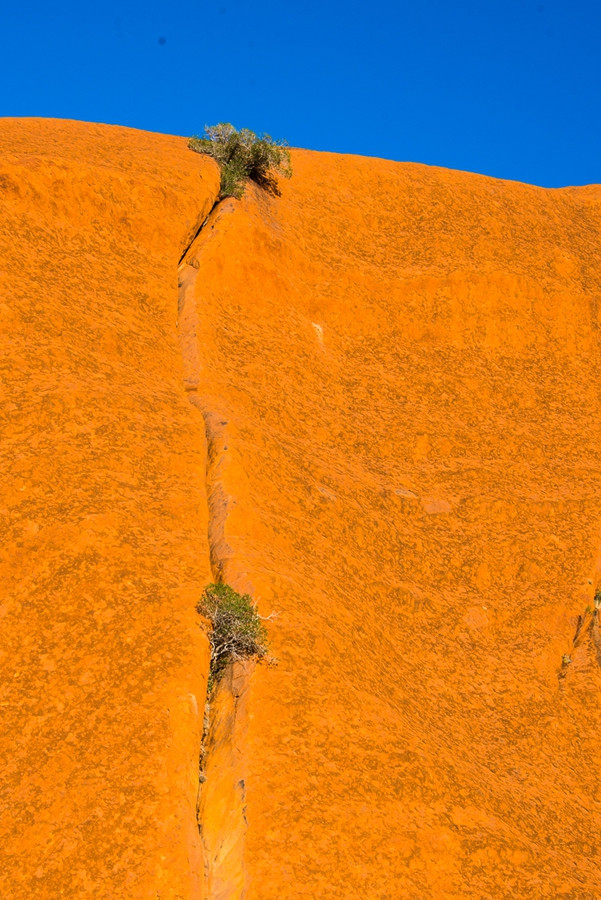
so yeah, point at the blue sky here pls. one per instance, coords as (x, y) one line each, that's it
(510, 89)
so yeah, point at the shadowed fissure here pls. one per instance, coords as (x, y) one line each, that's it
(221, 811)
(192, 240)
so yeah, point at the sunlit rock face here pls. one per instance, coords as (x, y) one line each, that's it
(408, 362)
(393, 443)
(103, 515)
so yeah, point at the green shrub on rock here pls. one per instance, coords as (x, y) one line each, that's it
(237, 632)
(244, 154)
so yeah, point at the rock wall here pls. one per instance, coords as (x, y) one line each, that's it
(104, 516)
(392, 441)
(408, 362)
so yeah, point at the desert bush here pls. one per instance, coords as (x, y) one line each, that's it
(238, 631)
(244, 154)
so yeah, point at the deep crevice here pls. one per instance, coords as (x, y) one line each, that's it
(197, 232)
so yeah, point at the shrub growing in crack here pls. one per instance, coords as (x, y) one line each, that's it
(244, 154)
(238, 631)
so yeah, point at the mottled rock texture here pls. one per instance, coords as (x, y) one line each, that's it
(398, 369)
(103, 515)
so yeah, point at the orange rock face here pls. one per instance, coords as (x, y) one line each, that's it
(397, 368)
(103, 513)
(408, 362)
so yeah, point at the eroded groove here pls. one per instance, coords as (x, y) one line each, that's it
(221, 810)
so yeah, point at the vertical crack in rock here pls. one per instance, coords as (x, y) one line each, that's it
(221, 809)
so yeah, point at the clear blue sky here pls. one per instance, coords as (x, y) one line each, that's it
(510, 89)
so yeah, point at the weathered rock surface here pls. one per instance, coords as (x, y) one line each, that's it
(398, 368)
(103, 513)
(408, 362)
